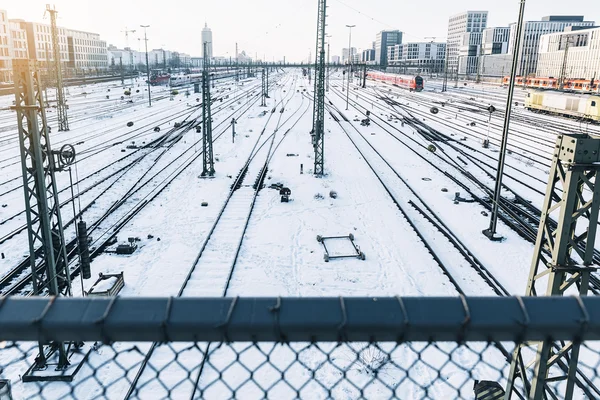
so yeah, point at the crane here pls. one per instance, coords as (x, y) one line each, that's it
(127, 32)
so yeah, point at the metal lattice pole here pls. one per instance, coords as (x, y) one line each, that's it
(318, 129)
(263, 95)
(49, 271)
(208, 164)
(61, 105)
(562, 257)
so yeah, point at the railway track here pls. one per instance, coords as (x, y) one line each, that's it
(213, 268)
(519, 214)
(109, 232)
(396, 190)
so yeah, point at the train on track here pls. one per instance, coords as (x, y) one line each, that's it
(575, 105)
(574, 85)
(180, 80)
(412, 83)
(159, 79)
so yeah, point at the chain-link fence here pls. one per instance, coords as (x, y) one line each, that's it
(284, 348)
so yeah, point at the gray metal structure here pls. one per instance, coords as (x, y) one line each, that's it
(263, 89)
(562, 258)
(61, 106)
(47, 251)
(208, 162)
(490, 232)
(318, 128)
(301, 319)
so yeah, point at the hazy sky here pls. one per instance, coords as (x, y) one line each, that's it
(277, 28)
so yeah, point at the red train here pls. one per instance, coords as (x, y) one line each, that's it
(160, 79)
(575, 85)
(412, 83)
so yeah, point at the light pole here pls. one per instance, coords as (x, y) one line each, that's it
(349, 63)
(490, 232)
(147, 64)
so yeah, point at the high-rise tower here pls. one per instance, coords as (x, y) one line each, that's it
(207, 38)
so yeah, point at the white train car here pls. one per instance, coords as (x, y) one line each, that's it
(582, 106)
(180, 80)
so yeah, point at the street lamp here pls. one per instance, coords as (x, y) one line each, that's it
(349, 63)
(147, 64)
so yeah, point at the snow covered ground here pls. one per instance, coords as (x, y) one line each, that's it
(279, 253)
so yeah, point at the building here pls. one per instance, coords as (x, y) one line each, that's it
(345, 54)
(382, 41)
(335, 59)
(532, 31)
(495, 40)
(468, 53)
(458, 26)
(207, 38)
(86, 50)
(5, 53)
(581, 59)
(368, 56)
(130, 58)
(417, 57)
(79, 50)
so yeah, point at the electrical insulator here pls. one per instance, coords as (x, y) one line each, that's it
(84, 249)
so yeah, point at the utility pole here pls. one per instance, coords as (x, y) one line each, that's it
(562, 260)
(478, 78)
(263, 102)
(121, 68)
(318, 128)
(328, 69)
(349, 63)
(563, 68)
(61, 104)
(147, 65)
(208, 163)
(490, 232)
(445, 84)
(237, 76)
(49, 268)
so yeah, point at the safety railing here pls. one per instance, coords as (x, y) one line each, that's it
(280, 348)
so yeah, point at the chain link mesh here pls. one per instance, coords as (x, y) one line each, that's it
(344, 370)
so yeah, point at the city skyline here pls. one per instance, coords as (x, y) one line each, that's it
(273, 31)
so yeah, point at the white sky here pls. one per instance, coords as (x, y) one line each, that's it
(277, 28)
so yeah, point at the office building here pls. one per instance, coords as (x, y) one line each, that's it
(581, 59)
(532, 32)
(382, 41)
(417, 57)
(461, 43)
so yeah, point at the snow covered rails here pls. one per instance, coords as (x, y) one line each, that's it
(322, 319)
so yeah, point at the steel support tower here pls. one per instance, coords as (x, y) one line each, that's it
(263, 95)
(318, 129)
(208, 163)
(47, 252)
(562, 257)
(61, 106)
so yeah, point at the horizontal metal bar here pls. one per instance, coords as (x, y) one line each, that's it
(299, 319)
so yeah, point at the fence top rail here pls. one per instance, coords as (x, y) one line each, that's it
(332, 319)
